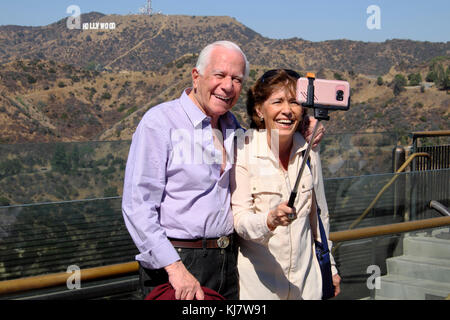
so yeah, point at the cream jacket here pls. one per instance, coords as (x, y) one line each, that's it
(279, 264)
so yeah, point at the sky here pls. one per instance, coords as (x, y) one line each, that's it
(314, 20)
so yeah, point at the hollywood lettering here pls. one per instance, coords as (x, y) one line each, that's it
(99, 26)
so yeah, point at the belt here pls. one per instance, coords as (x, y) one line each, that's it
(216, 243)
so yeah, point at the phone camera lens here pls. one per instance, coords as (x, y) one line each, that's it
(339, 95)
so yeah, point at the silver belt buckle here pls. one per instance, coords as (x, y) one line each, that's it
(223, 242)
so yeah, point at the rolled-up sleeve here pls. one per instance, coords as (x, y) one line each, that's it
(144, 184)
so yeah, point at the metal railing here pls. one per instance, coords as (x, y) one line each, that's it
(380, 193)
(51, 280)
(113, 269)
(57, 279)
(440, 159)
(403, 167)
(439, 207)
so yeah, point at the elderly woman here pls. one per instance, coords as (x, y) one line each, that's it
(276, 258)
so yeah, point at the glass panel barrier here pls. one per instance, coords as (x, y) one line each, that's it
(357, 154)
(361, 262)
(47, 225)
(349, 197)
(48, 172)
(48, 238)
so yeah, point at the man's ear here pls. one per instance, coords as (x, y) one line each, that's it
(195, 75)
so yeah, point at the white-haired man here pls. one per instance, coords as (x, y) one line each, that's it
(176, 197)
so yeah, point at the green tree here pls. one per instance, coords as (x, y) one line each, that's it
(399, 84)
(106, 95)
(380, 81)
(338, 76)
(414, 79)
(439, 75)
(60, 161)
(442, 78)
(10, 168)
(447, 78)
(75, 157)
(4, 201)
(31, 79)
(431, 77)
(111, 192)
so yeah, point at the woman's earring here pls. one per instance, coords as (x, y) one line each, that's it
(261, 119)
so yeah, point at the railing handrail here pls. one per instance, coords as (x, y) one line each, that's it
(380, 193)
(439, 207)
(438, 133)
(394, 228)
(387, 185)
(57, 279)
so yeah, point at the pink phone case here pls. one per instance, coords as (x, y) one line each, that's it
(333, 94)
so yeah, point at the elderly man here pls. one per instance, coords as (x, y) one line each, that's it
(176, 197)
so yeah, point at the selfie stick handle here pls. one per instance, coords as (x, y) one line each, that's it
(319, 116)
(302, 168)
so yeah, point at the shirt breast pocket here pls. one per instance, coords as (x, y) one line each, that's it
(306, 183)
(267, 193)
(304, 196)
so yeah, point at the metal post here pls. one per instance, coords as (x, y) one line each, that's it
(398, 159)
(413, 183)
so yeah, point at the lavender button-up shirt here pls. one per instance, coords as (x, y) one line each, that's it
(173, 186)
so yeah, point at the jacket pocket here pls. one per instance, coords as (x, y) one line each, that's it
(267, 193)
(266, 185)
(304, 196)
(306, 184)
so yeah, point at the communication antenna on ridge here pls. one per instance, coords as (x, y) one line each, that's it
(148, 10)
(149, 7)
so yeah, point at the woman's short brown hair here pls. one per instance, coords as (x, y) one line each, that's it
(263, 88)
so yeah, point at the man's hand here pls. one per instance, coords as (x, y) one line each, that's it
(185, 285)
(308, 128)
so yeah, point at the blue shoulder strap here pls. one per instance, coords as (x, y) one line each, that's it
(323, 235)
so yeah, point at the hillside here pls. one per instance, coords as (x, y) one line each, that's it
(58, 84)
(45, 101)
(148, 42)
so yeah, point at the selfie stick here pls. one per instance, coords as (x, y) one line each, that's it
(319, 114)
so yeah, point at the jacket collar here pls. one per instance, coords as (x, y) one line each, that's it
(262, 150)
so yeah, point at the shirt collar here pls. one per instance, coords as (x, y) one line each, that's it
(299, 143)
(262, 147)
(196, 116)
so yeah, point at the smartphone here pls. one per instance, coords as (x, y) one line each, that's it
(328, 94)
